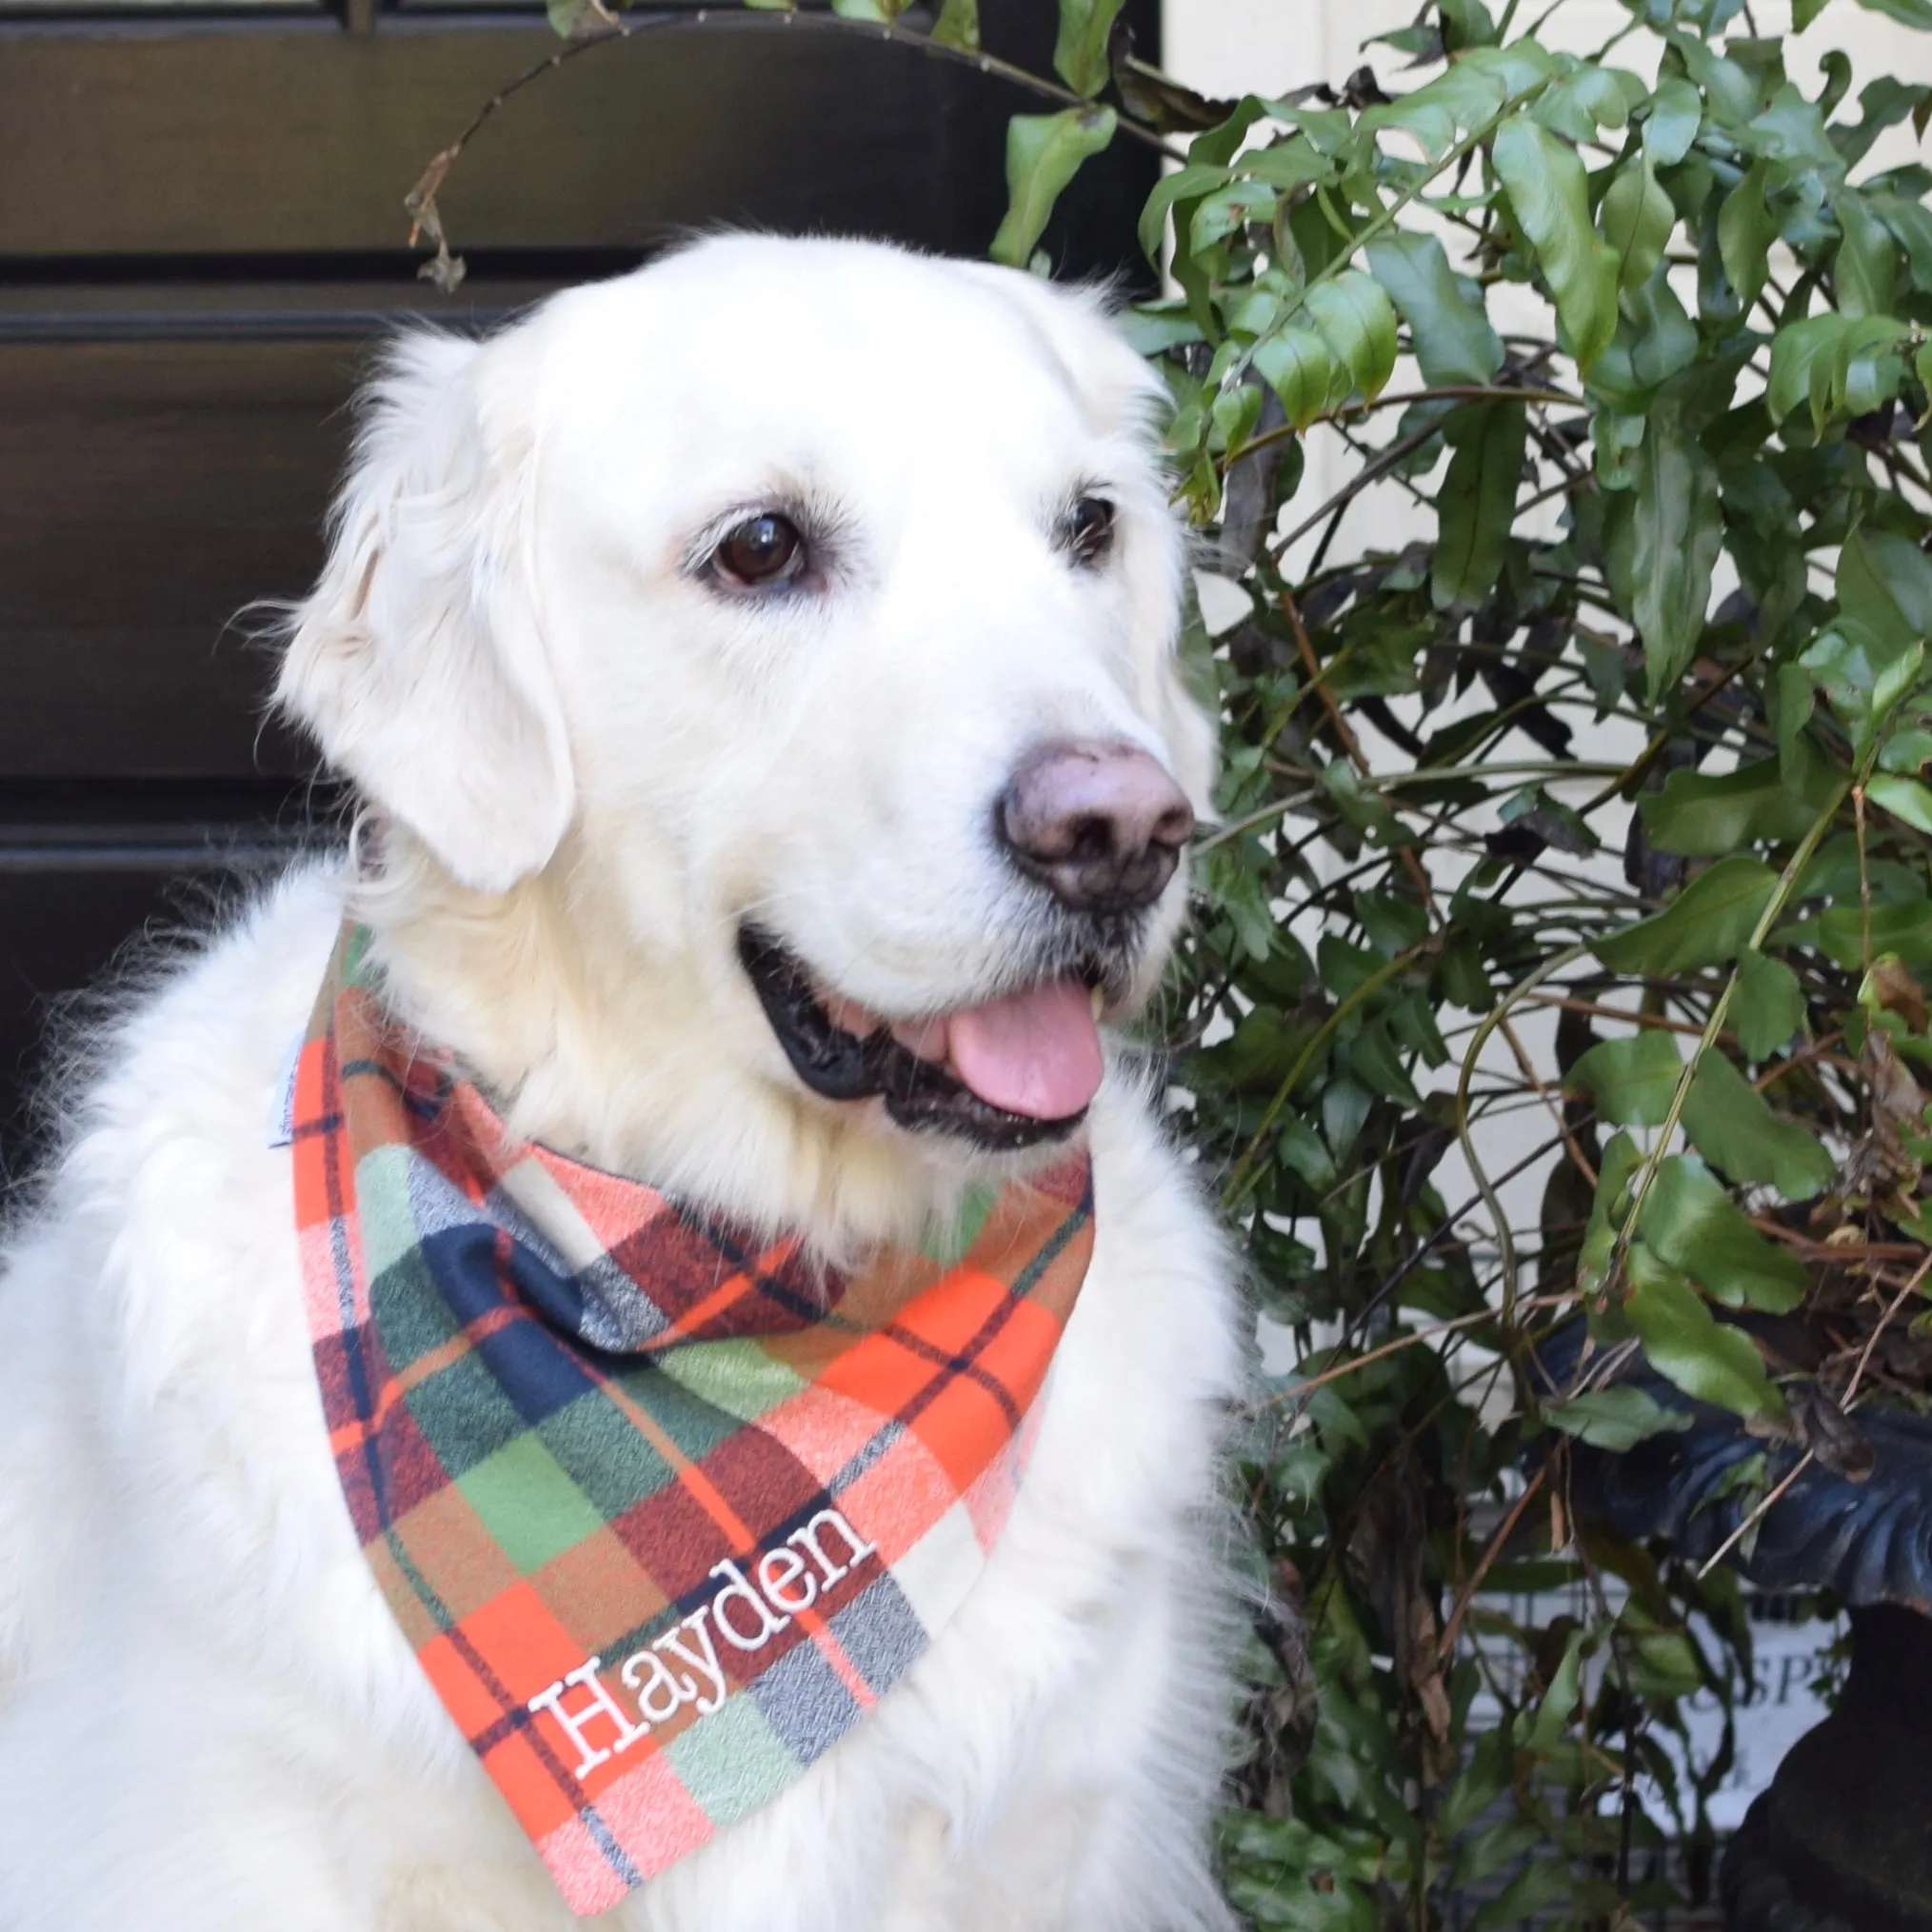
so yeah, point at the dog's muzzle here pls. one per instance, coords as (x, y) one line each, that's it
(919, 1094)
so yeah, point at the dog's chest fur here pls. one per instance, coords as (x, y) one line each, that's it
(208, 1719)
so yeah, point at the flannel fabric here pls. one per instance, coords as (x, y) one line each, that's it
(663, 1507)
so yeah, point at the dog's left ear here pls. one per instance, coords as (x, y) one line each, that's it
(417, 662)
(1117, 386)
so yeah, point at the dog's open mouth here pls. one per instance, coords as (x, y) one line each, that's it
(1008, 1073)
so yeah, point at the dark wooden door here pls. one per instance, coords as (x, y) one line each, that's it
(201, 234)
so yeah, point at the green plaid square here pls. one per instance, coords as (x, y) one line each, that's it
(528, 1503)
(732, 1762)
(608, 1459)
(738, 1378)
(463, 1410)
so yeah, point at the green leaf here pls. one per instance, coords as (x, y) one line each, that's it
(1494, 1848)
(1910, 222)
(1080, 51)
(1227, 209)
(1615, 1419)
(580, 19)
(1733, 93)
(1769, 1007)
(1882, 102)
(1708, 924)
(1631, 1079)
(1295, 363)
(1615, 439)
(1791, 130)
(1866, 267)
(1300, 1149)
(1676, 113)
(1532, 1894)
(1839, 933)
(1560, 1701)
(1655, 340)
(1842, 365)
(1185, 183)
(1608, 1206)
(1746, 228)
(1687, 1345)
(1549, 194)
(1700, 816)
(1360, 809)
(1476, 505)
(1884, 582)
(1358, 323)
(1677, 532)
(1904, 798)
(1906, 751)
(958, 24)
(1637, 217)
(1691, 1223)
(1373, 1058)
(1805, 11)
(1731, 1126)
(1453, 340)
(1908, 12)
(1862, 673)
(1795, 350)
(1586, 99)
(1043, 153)
(1472, 90)
(1288, 165)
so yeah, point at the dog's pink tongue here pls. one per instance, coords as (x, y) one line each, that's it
(1035, 1054)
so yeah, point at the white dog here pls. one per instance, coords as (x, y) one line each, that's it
(760, 654)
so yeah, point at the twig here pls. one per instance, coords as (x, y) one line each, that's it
(1857, 1374)
(1378, 467)
(1806, 1461)
(1857, 807)
(421, 200)
(1505, 1242)
(1530, 1073)
(1441, 392)
(1427, 1333)
(1452, 1629)
(1657, 1022)
(1757, 1515)
(1445, 1227)
(1639, 768)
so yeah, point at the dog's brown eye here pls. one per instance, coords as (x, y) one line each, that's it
(762, 549)
(1089, 529)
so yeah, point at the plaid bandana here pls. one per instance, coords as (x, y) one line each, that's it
(662, 1508)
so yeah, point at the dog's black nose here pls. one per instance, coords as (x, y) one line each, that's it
(1101, 825)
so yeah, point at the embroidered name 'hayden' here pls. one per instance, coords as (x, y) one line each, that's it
(660, 1506)
(682, 1666)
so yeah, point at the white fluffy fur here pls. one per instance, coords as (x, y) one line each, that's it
(583, 767)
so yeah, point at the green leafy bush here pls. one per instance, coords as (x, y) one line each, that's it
(1579, 839)
(1575, 840)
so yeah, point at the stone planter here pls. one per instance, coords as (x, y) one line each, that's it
(1842, 1842)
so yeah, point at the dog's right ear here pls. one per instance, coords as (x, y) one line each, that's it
(417, 662)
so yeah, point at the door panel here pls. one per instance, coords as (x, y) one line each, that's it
(626, 144)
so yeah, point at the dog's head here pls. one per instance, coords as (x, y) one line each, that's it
(801, 616)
